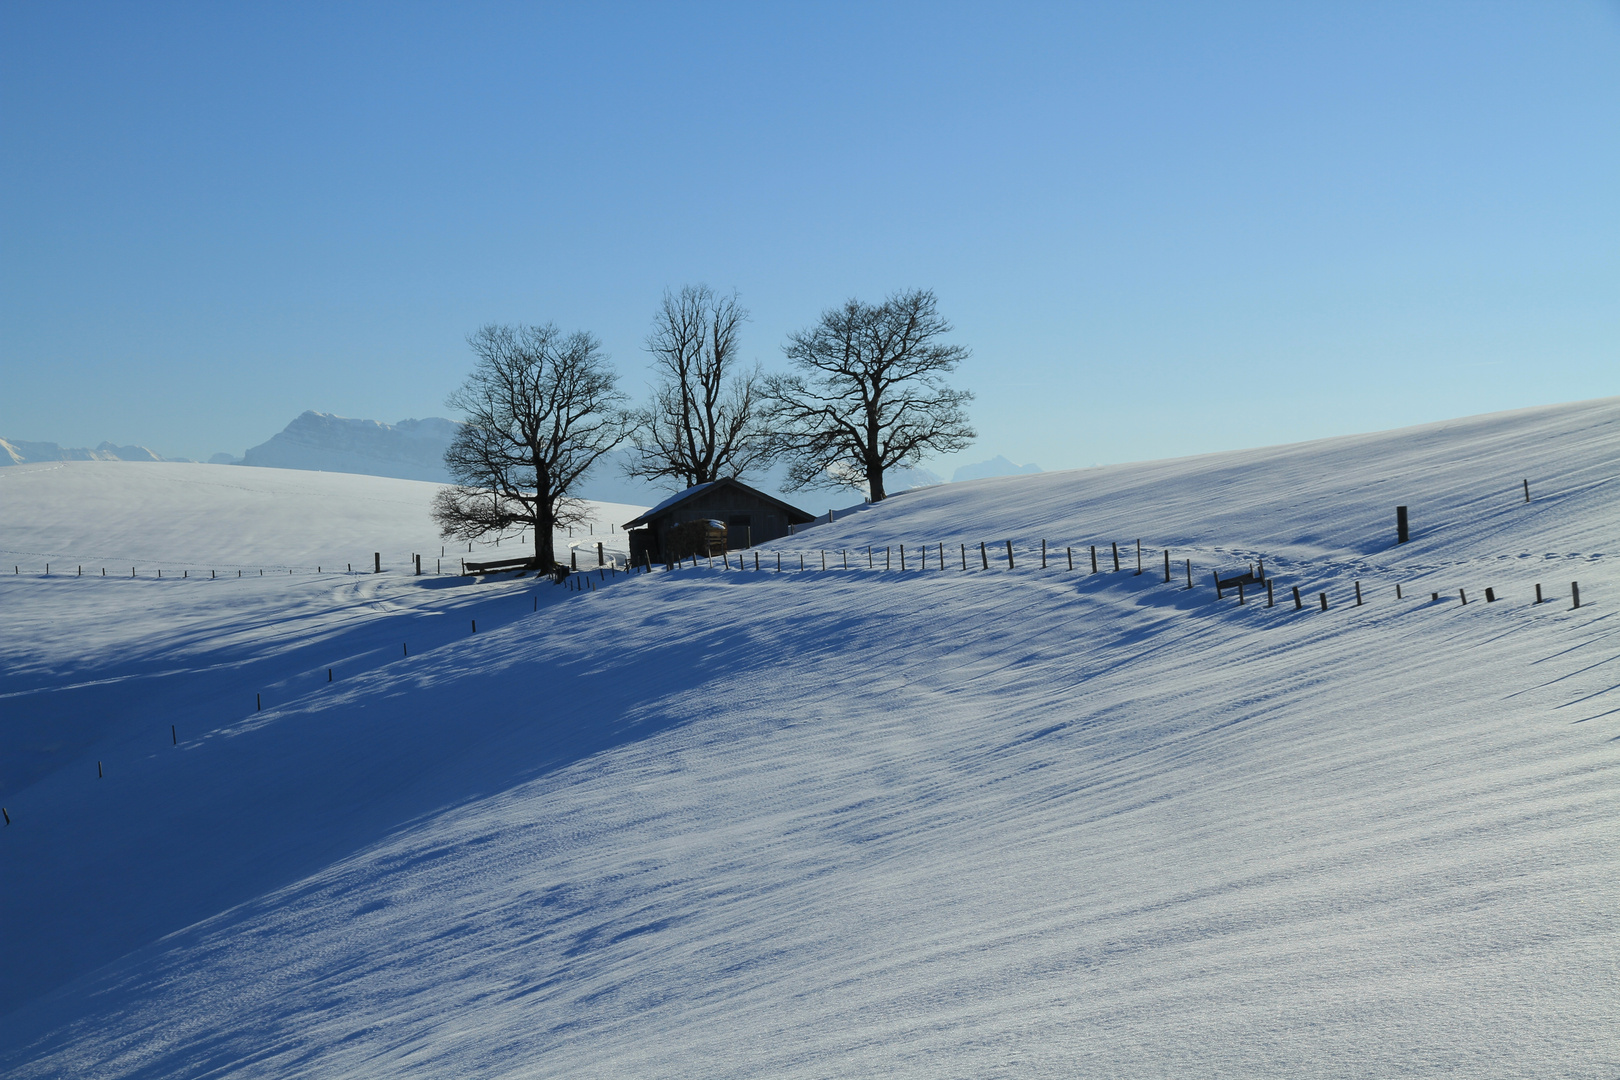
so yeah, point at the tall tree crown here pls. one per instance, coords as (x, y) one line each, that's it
(540, 408)
(703, 421)
(869, 393)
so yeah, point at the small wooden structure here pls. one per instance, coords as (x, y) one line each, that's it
(745, 515)
(496, 566)
(1251, 576)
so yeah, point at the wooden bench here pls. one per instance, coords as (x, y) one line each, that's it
(495, 566)
(1251, 576)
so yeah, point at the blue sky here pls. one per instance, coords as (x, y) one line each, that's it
(1161, 228)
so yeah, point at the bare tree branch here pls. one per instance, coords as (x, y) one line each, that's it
(869, 394)
(703, 421)
(541, 408)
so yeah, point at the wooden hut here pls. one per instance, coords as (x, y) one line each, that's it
(748, 515)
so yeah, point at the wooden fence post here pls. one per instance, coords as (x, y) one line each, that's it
(1043, 554)
(1189, 574)
(1358, 594)
(902, 558)
(1093, 558)
(1216, 574)
(1240, 594)
(1464, 595)
(600, 560)
(887, 563)
(1575, 592)
(376, 562)
(1167, 566)
(1116, 556)
(1071, 557)
(1397, 590)
(1538, 592)
(1527, 489)
(1322, 597)
(1298, 604)
(1138, 559)
(984, 556)
(942, 555)
(1268, 592)
(1401, 532)
(1490, 596)
(1009, 555)
(964, 557)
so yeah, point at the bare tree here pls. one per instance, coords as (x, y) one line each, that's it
(703, 422)
(868, 395)
(540, 407)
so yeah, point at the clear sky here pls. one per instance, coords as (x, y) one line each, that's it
(1161, 228)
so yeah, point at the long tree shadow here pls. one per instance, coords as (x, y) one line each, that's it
(97, 867)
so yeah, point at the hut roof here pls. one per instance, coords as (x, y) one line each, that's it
(794, 514)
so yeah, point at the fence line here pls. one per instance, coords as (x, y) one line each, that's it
(581, 582)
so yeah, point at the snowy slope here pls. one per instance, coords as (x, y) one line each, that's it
(196, 517)
(723, 823)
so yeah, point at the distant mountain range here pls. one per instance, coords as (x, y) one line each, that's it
(414, 450)
(996, 466)
(22, 452)
(409, 450)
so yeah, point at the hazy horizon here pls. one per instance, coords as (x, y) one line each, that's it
(1162, 230)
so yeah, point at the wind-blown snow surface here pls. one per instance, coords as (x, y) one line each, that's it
(863, 822)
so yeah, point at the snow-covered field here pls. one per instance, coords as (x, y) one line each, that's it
(841, 823)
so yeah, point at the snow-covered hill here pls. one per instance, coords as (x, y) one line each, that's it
(194, 517)
(1026, 821)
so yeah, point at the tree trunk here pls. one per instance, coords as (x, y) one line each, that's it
(544, 548)
(874, 483)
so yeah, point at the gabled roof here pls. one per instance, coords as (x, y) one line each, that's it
(794, 514)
